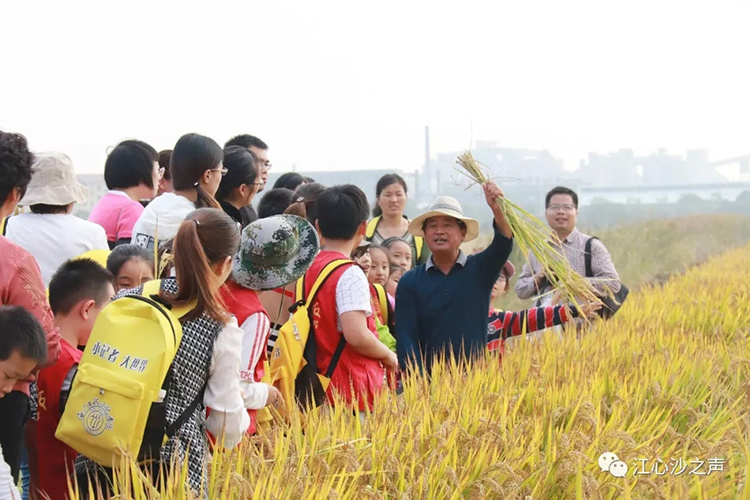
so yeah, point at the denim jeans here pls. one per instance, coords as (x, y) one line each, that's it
(25, 477)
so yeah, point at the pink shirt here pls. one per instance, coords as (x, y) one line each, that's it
(21, 285)
(117, 214)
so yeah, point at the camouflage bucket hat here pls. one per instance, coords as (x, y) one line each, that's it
(274, 252)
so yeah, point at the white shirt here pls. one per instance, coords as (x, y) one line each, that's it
(54, 238)
(161, 219)
(255, 328)
(353, 293)
(8, 489)
(223, 394)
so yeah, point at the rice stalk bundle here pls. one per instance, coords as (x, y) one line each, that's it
(533, 237)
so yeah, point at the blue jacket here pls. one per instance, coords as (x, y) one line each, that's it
(436, 313)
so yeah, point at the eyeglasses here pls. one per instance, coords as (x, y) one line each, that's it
(267, 165)
(568, 207)
(161, 173)
(224, 171)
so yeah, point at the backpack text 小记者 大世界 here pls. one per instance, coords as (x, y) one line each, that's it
(117, 401)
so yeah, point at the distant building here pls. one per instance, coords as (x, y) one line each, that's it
(510, 166)
(623, 168)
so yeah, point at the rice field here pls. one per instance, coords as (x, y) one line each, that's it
(665, 386)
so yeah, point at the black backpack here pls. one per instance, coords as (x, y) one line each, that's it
(612, 304)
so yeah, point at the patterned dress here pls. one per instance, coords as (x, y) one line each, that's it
(190, 371)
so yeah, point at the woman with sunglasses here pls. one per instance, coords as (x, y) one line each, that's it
(197, 168)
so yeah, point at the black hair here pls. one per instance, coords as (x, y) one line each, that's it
(192, 156)
(561, 190)
(77, 280)
(129, 164)
(380, 249)
(275, 202)
(22, 333)
(384, 182)
(242, 169)
(246, 141)
(123, 253)
(341, 210)
(309, 180)
(306, 201)
(289, 180)
(386, 243)
(15, 164)
(165, 156)
(44, 209)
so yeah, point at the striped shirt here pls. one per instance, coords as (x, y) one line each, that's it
(504, 324)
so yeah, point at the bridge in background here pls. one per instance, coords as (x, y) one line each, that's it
(660, 193)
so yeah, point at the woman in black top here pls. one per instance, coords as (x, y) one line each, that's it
(240, 185)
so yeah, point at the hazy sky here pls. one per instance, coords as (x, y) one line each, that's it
(352, 84)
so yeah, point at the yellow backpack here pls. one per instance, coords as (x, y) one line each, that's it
(122, 381)
(382, 302)
(293, 359)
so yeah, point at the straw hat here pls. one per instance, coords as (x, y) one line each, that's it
(274, 252)
(445, 206)
(53, 181)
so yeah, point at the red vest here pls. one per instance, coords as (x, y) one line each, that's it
(357, 378)
(243, 303)
(56, 459)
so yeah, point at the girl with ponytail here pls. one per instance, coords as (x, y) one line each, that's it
(196, 167)
(208, 359)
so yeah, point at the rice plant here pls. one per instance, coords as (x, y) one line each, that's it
(664, 383)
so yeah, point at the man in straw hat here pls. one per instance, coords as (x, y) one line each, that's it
(274, 252)
(441, 306)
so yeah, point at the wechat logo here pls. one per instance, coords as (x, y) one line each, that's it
(609, 462)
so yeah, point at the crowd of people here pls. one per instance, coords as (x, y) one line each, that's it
(395, 293)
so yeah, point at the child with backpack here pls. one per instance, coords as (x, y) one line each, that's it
(78, 291)
(203, 372)
(274, 252)
(343, 321)
(381, 305)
